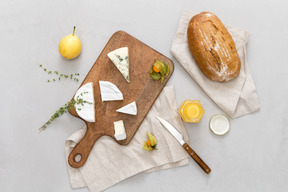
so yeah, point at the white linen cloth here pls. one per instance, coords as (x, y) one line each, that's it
(236, 97)
(110, 163)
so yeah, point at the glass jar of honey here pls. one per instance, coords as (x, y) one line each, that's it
(191, 111)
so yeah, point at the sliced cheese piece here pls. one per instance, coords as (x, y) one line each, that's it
(109, 91)
(131, 109)
(87, 110)
(119, 128)
(120, 58)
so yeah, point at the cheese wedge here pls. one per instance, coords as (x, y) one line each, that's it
(131, 109)
(120, 133)
(120, 58)
(109, 91)
(87, 110)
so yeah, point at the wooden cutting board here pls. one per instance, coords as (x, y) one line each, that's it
(142, 89)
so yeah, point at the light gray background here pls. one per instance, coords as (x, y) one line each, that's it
(251, 157)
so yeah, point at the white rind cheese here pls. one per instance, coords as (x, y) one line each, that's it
(109, 91)
(87, 110)
(131, 109)
(120, 58)
(119, 128)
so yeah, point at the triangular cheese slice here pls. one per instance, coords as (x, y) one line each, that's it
(86, 110)
(129, 109)
(120, 58)
(109, 91)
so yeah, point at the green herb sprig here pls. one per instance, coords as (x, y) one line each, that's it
(64, 109)
(60, 75)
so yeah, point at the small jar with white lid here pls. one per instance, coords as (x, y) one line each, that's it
(219, 124)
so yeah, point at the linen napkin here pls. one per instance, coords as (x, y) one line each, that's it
(110, 163)
(236, 97)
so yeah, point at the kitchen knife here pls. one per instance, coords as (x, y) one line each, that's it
(188, 149)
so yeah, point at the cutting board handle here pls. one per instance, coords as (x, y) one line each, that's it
(81, 151)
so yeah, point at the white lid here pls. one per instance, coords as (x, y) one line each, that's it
(219, 124)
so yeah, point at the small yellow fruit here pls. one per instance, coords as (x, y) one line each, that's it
(70, 46)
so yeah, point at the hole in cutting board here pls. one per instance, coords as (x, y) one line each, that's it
(77, 158)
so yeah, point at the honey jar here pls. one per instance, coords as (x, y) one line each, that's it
(191, 111)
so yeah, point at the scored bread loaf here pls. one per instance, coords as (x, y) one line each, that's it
(213, 47)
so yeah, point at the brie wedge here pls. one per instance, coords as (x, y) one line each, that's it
(119, 128)
(87, 110)
(120, 58)
(109, 91)
(129, 109)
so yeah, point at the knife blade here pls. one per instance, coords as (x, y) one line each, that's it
(188, 149)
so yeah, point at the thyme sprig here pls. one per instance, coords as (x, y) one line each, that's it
(65, 108)
(60, 75)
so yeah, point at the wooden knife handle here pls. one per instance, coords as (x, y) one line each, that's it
(198, 160)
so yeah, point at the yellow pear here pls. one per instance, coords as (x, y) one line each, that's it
(70, 46)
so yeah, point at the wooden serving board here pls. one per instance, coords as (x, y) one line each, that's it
(142, 89)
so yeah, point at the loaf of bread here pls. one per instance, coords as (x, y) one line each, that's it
(213, 47)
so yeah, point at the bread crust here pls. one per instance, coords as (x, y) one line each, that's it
(213, 47)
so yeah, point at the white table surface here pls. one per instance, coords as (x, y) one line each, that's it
(253, 156)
